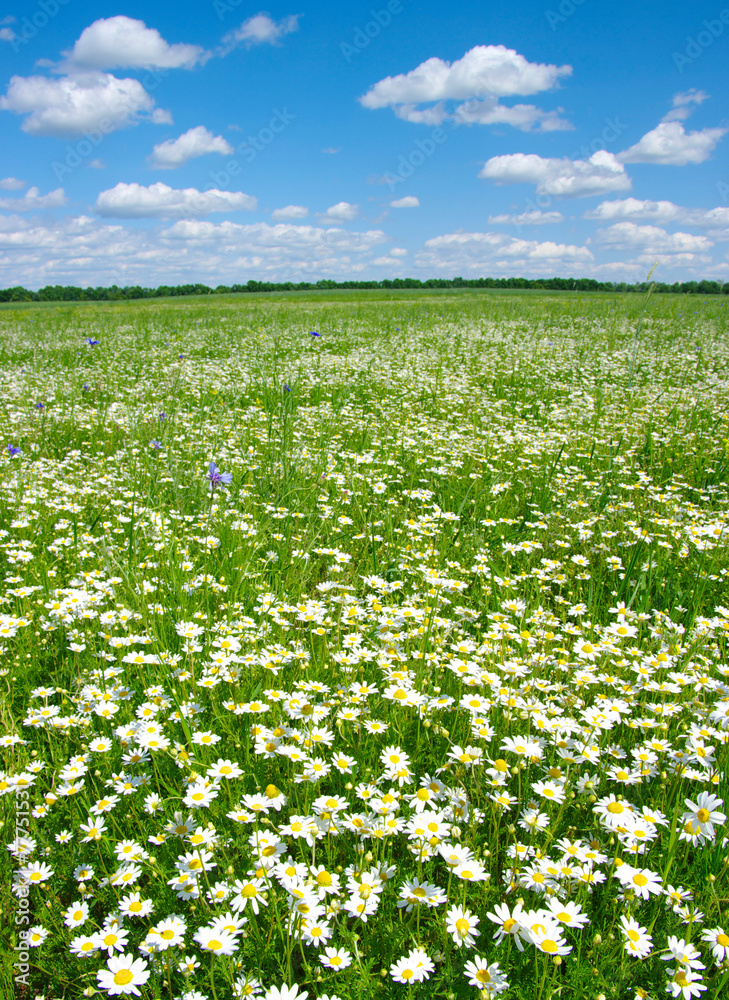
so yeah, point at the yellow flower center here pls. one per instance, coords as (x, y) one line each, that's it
(123, 977)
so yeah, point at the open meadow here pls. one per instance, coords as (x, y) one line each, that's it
(365, 645)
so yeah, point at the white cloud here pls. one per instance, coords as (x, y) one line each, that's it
(635, 210)
(260, 29)
(290, 212)
(191, 144)
(526, 117)
(97, 165)
(158, 201)
(331, 150)
(6, 34)
(71, 105)
(409, 201)
(675, 260)
(464, 252)
(483, 75)
(33, 200)
(12, 184)
(629, 236)
(343, 211)
(387, 261)
(262, 236)
(670, 144)
(533, 218)
(484, 70)
(683, 104)
(87, 251)
(114, 42)
(560, 178)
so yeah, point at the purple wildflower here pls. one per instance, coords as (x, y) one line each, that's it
(218, 479)
(155, 444)
(162, 417)
(40, 406)
(13, 450)
(287, 387)
(313, 333)
(91, 342)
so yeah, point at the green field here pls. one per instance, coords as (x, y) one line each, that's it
(370, 643)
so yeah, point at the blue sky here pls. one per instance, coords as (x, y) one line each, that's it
(216, 141)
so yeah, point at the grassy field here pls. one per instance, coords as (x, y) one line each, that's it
(365, 645)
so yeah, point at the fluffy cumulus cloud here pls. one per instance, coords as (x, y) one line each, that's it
(343, 211)
(290, 212)
(158, 201)
(260, 30)
(485, 74)
(33, 201)
(409, 201)
(484, 70)
(559, 178)
(116, 42)
(483, 253)
(631, 236)
(85, 250)
(191, 144)
(662, 212)
(526, 117)
(531, 218)
(12, 184)
(72, 105)
(669, 143)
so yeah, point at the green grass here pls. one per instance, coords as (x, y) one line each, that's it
(447, 494)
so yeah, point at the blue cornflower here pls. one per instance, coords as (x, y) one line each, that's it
(313, 333)
(218, 479)
(287, 387)
(87, 388)
(155, 444)
(91, 342)
(40, 406)
(13, 450)
(162, 417)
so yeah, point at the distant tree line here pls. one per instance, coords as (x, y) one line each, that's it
(70, 293)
